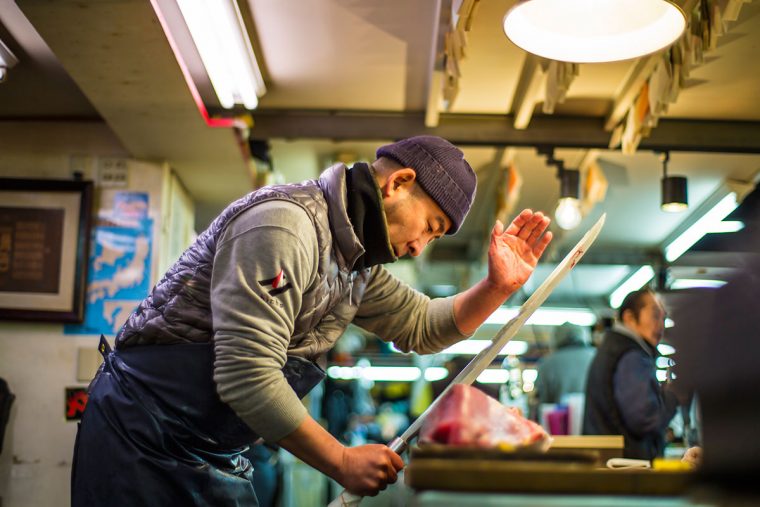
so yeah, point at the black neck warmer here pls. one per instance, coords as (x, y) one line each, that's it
(365, 210)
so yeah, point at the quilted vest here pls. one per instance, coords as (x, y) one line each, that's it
(178, 310)
(602, 415)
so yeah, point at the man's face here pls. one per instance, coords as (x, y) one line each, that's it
(414, 219)
(650, 324)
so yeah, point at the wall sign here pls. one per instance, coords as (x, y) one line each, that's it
(44, 242)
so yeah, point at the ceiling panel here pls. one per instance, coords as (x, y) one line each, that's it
(343, 54)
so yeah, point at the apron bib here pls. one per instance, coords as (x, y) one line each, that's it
(156, 433)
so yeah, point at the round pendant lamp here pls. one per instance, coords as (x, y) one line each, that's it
(592, 31)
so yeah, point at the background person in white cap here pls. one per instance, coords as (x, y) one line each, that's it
(221, 350)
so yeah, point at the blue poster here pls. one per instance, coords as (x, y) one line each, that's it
(119, 273)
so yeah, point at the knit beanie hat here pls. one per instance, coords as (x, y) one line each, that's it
(441, 171)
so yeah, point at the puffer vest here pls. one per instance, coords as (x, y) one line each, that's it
(178, 310)
(602, 415)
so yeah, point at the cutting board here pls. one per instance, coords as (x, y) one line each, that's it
(490, 470)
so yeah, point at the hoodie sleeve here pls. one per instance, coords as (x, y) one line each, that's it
(264, 262)
(412, 321)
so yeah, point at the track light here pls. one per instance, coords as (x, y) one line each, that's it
(674, 191)
(586, 31)
(568, 212)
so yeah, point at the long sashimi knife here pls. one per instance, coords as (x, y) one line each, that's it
(476, 366)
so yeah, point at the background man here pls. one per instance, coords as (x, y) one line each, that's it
(623, 396)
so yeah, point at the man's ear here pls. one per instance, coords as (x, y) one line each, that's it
(399, 179)
(628, 317)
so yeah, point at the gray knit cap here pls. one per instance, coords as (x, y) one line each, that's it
(441, 171)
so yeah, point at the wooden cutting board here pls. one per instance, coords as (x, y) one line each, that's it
(489, 470)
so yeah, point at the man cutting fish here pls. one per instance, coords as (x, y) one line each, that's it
(219, 353)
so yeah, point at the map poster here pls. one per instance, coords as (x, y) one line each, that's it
(119, 274)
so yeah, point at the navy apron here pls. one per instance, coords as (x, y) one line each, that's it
(156, 433)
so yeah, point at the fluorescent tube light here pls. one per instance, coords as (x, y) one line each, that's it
(529, 375)
(694, 283)
(219, 33)
(694, 233)
(665, 349)
(726, 226)
(662, 375)
(386, 373)
(473, 347)
(493, 376)
(546, 316)
(632, 283)
(7, 60)
(669, 323)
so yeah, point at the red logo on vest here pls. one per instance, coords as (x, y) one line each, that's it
(276, 285)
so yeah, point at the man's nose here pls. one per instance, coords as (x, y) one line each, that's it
(415, 248)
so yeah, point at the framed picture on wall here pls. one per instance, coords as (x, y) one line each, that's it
(44, 249)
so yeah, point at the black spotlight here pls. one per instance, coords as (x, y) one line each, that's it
(674, 193)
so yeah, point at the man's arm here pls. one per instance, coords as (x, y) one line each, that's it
(512, 256)
(253, 319)
(253, 325)
(398, 313)
(363, 470)
(645, 408)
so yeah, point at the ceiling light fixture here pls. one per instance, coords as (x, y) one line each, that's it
(493, 376)
(568, 213)
(634, 282)
(696, 283)
(545, 316)
(726, 226)
(711, 213)
(7, 60)
(473, 347)
(587, 31)
(386, 373)
(674, 191)
(219, 33)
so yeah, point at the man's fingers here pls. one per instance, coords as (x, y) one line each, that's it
(541, 245)
(519, 221)
(396, 461)
(498, 228)
(392, 475)
(535, 221)
(538, 230)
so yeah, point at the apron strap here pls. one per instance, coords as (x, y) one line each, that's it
(104, 347)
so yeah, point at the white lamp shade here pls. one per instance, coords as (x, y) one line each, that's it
(587, 31)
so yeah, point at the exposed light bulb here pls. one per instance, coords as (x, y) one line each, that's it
(568, 213)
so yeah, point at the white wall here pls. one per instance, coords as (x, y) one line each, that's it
(37, 360)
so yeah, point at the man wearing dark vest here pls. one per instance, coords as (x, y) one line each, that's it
(623, 396)
(218, 355)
